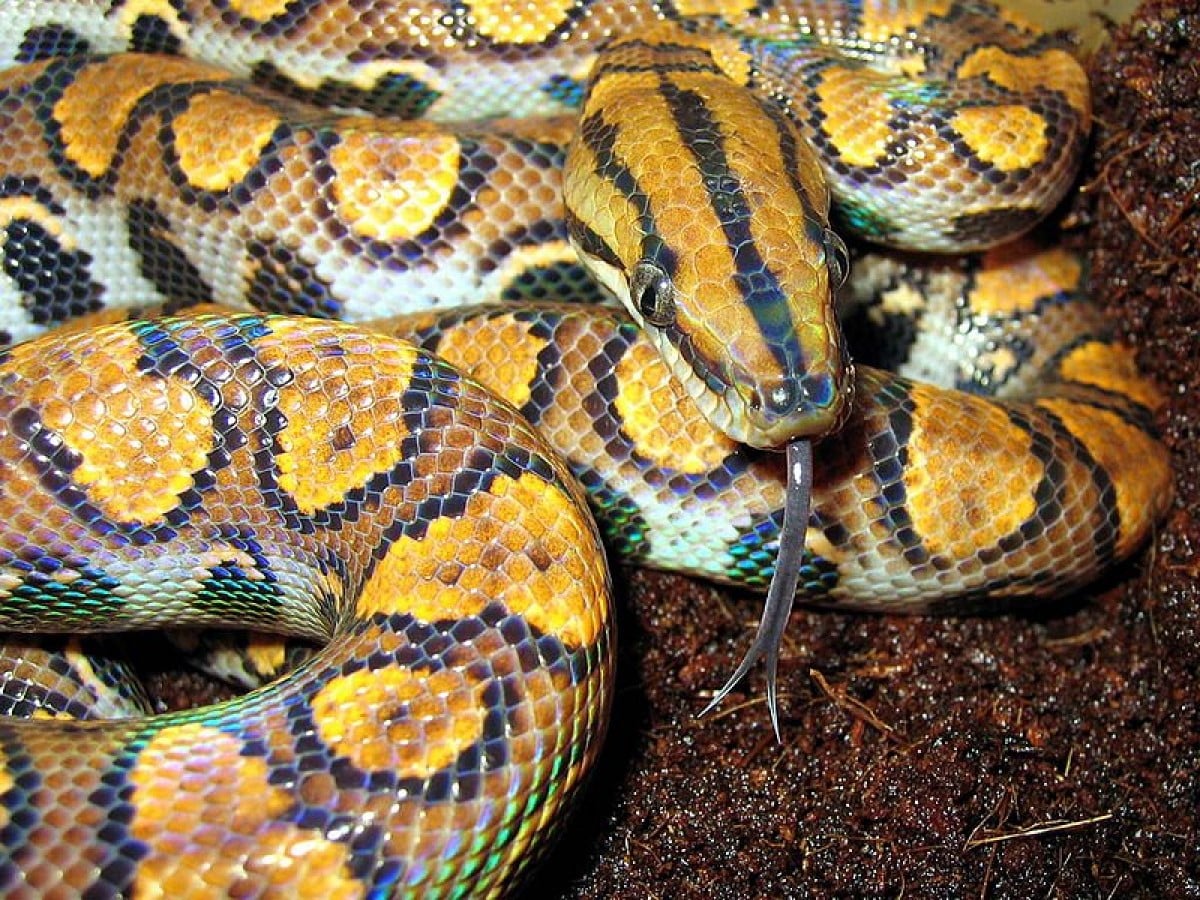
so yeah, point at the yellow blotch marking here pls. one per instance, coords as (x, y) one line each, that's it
(509, 22)
(904, 300)
(267, 653)
(726, 9)
(369, 75)
(132, 10)
(534, 256)
(1009, 285)
(1007, 137)
(213, 157)
(665, 425)
(1054, 70)
(971, 475)
(345, 416)
(139, 438)
(207, 814)
(856, 116)
(910, 66)
(83, 670)
(1000, 362)
(233, 783)
(94, 108)
(500, 352)
(523, 543)
(60, 714)
(15, 208)
(259, 10)
(816, 543)
(1110, 367)
(413, 723)
(392, 183)
(881, 21)
(222, 554)
(6, 785)
(1136, 463)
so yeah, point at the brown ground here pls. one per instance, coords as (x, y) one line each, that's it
(1015, 756)
(1005, 757)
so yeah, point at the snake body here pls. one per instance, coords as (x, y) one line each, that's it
(257, 470)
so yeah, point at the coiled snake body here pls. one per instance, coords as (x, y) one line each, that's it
(275, 473)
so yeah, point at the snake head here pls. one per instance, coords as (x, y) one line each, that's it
(706, 213)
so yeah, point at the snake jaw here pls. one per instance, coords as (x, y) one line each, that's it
(777, 608)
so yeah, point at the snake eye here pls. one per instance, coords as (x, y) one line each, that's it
(651, 291)
(837, 257)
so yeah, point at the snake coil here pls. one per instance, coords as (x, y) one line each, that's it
(258, 468)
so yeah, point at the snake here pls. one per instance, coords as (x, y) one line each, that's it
(298, 340)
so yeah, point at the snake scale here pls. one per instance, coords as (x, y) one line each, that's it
(263, 468)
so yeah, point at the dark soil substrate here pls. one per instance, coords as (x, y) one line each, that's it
(1047, 755)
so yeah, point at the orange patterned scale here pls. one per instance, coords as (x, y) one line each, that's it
(339, 486)
(468, 667)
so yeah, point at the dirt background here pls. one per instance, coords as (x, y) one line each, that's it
(1046, 755)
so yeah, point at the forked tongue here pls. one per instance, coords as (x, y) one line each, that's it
(782, 592)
